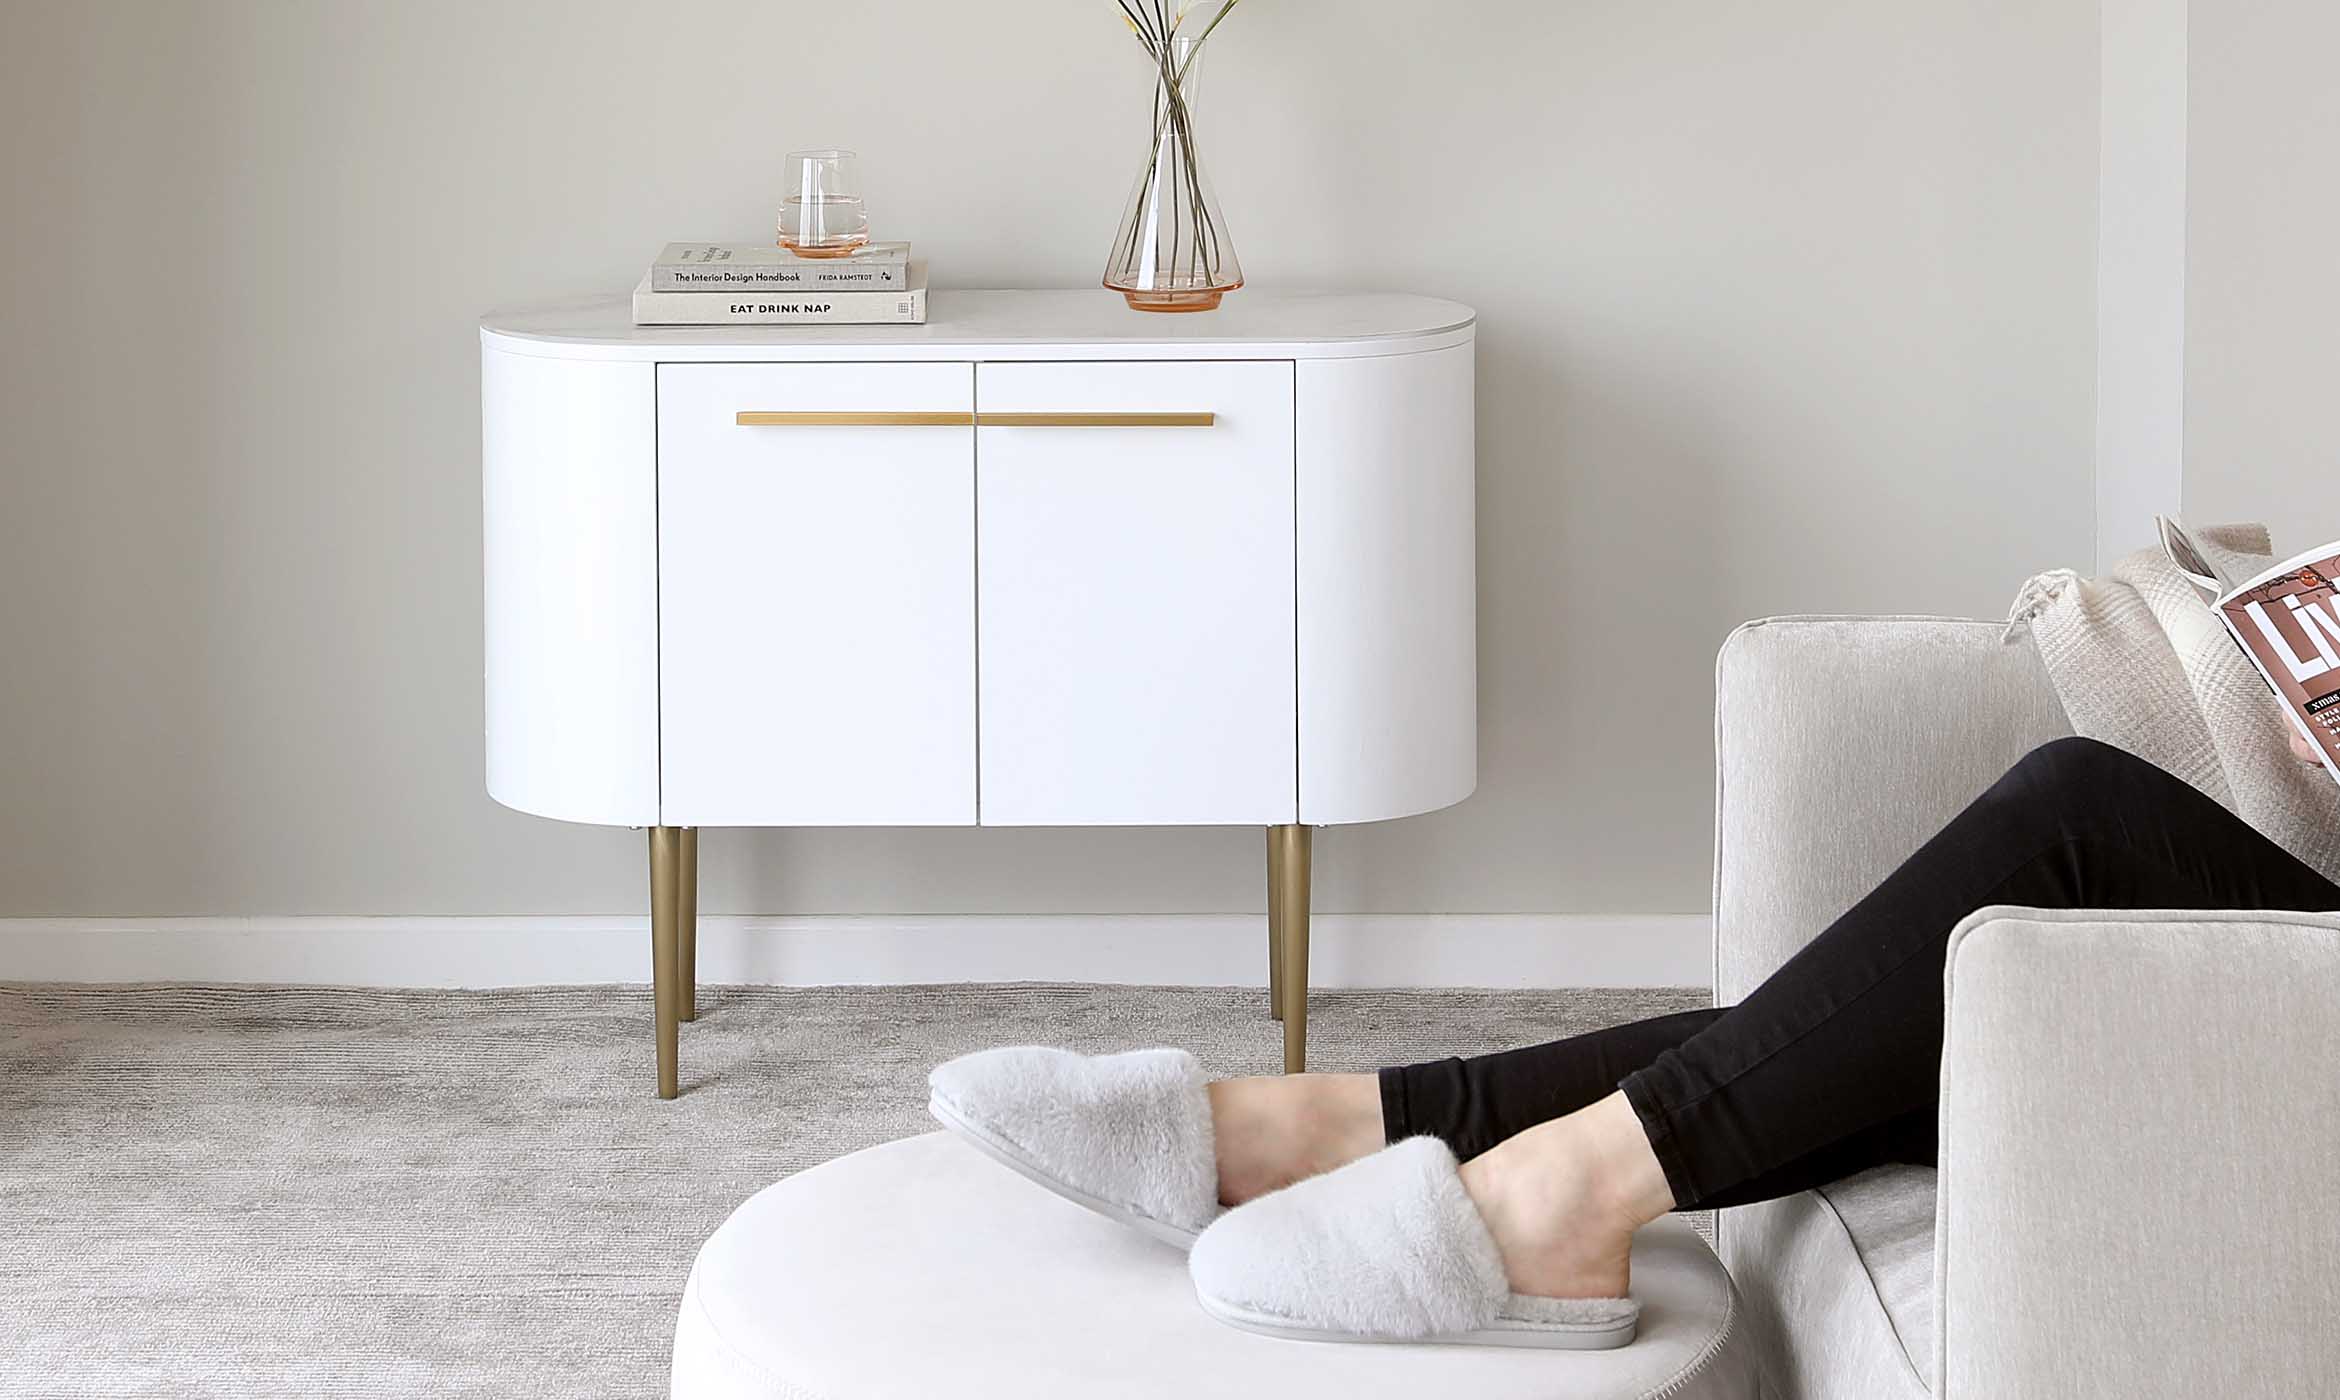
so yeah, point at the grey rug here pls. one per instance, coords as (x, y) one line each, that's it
(312, 1192)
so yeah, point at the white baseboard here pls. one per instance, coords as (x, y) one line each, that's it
(1345, 950)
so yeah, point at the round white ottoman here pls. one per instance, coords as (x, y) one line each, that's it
(921, 1270)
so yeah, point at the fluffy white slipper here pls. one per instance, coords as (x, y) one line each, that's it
(1128, 1135)
(1387, 1249)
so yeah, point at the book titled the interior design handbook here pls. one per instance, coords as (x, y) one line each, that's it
(2287, 619)
(757, 267)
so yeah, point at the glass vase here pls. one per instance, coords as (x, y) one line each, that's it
(1172, 252)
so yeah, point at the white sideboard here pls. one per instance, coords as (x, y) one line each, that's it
(1042, 561)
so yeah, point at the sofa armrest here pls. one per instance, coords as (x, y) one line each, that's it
(2140, 1148)
(1841, 744)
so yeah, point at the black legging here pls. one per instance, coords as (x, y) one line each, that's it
(1834, 1064)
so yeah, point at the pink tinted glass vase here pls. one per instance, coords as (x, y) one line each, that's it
(1172, 252)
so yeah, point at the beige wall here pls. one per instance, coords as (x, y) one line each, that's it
(2262, 408)
(1783, 306)
(2140, 271)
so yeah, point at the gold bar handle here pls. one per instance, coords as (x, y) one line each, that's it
(762, 419)
(1095, 420)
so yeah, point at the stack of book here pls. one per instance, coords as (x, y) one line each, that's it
(733, 284)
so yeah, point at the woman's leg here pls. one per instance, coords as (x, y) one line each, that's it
(1839, 1052)
(1833, 1064)
(1847, 1036)
(1475, 1104)
(1274, 1130)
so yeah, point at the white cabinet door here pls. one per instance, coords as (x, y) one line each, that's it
(816, 596)
(1136, 595)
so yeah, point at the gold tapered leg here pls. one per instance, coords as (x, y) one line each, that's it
(687, 924)
(665, 954)
(1288, 894)
(1275, 922)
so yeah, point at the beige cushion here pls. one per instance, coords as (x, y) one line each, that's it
(2140, 1132)
(1888, 1215)
(1841, 744)
(920, 1270)
(1838, 1298)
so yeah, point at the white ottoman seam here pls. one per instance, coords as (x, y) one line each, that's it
(782, 1387)
(1715, 1344)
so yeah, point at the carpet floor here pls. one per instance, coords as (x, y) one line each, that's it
(274, 1191)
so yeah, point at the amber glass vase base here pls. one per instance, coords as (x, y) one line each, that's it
(1199, 299)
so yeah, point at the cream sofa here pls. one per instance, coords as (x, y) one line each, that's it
(2139, 1189)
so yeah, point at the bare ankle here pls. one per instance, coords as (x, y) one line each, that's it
(1345, 1118)
(1275, 1130)
(1625, 1165)
(1564, 1198)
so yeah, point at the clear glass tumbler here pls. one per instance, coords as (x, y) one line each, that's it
(822, 215)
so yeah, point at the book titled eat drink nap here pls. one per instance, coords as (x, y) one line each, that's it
(905, 307)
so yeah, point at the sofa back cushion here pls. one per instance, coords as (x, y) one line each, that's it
(1841, 744)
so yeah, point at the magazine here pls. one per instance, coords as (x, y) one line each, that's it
(2287, 619)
